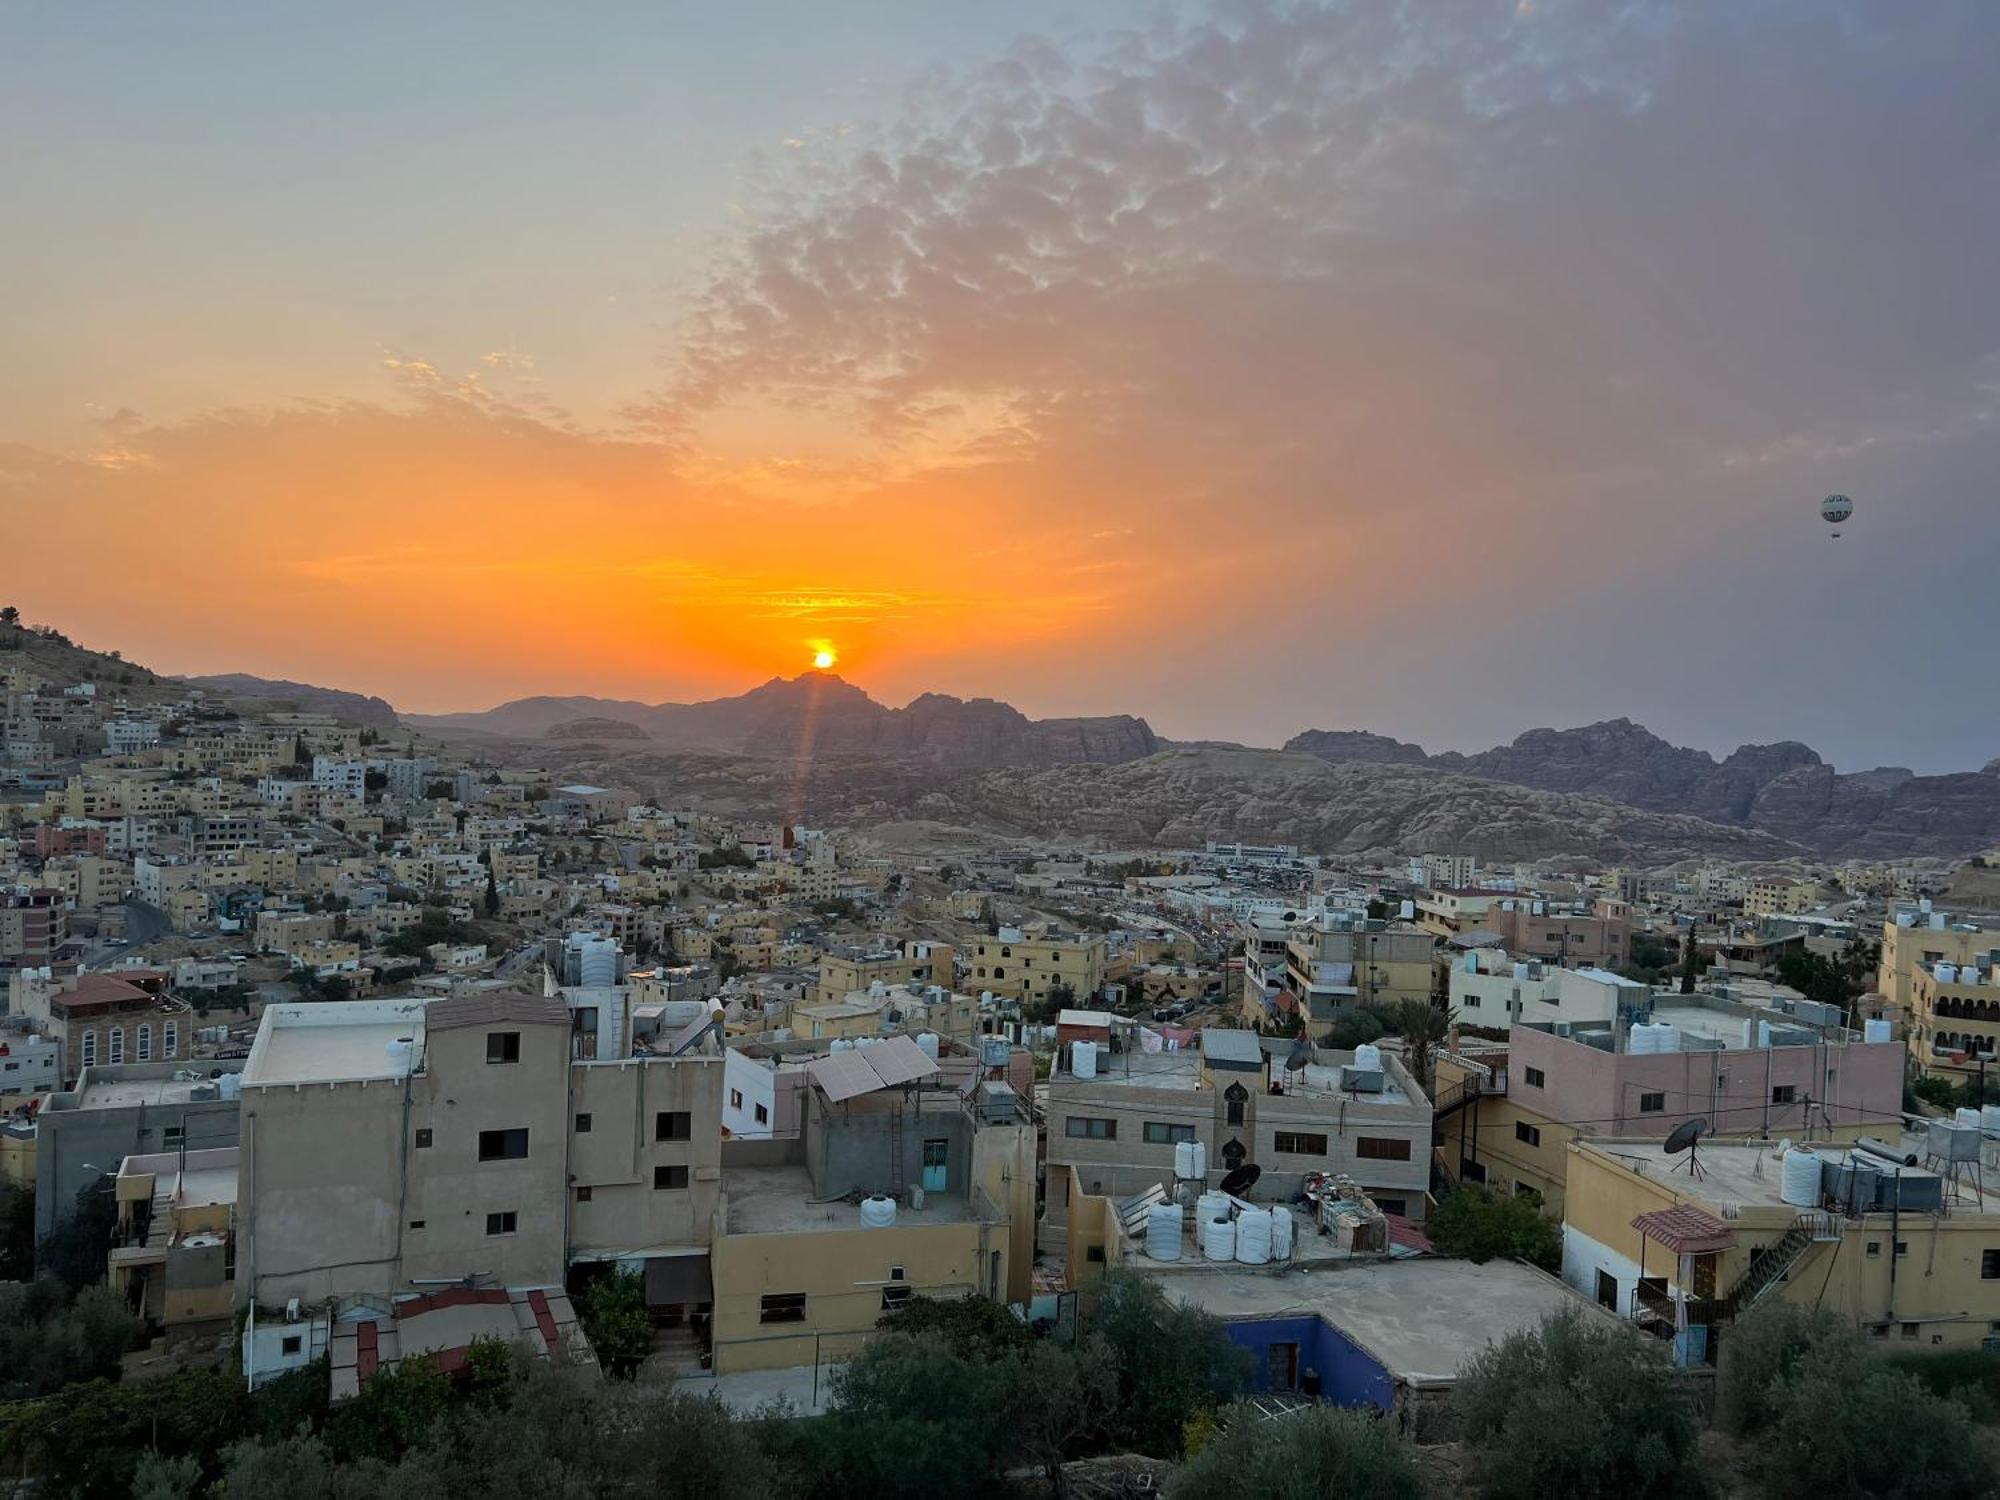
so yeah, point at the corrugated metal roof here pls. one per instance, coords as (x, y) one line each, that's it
(495, 1006)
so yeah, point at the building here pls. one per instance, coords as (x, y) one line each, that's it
(1780, 897)
(802, 1274)
(884, 1011)
(127, 1109)
(174, 1252)
(845, 969)
(29, 1064)
(1506, 1116)
(102, 1018)
(1491, 991)
(33, 924)
(1343, 961)
(1025, 964)
(1894, 1243)
(1954, 1022)
(1116, 1119)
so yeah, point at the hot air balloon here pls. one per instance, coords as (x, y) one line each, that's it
(1833, 510)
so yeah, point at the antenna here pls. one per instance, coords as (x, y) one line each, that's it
(1686, 1137)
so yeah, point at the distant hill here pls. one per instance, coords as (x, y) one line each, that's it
(595, 729)
(820, 712)
(274, 694)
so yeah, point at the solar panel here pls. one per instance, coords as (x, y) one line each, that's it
(843, 1075)
(897, 1059)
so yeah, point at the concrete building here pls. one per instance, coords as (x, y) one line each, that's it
(1780, 897)
(1954, 1022)
(33, 924)
(1343, 961)
(1025, 964)
(1489, 989)
(803, 1274)
(174, 1254)
(1506, 1116)
(1906, 1253)
(844, 970)
(1117, 1125)
(101, 1018)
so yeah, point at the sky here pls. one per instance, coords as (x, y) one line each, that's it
(1439, 369)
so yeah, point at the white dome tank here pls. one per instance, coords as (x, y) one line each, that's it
(927, 1043)
(1218, 1239)
(841, 1044)
(1799, 1183)
(1876, 1031)
(1253, 1236)
(1083, 1059)
(1640, 1040)
(1666, 1037)
(1163, 1232)
(1210, 1206)
(1368, 1056)
(1966, 1117)
(878, 1212)
(230, 1085)
(402, 1055)
(1281, 1233)
(1184, 1159)
(1989, 1119)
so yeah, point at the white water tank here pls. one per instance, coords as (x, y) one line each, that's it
(1666, 1037)
(1163, 1232)
(230, 1085)
(1184, 1159)
(841, 1044)
(1368, 1057)
(1989, 1119)
(1876, 1031)
(1946, 973)
(1520, 971)
(1253, 1236)
(1281, 1233)
(1083, 1059)
(1763, 1033)
(1218, 1238)
(1200, 1172)
(1749, 1032)
(1407, 910)
(878, 1212)
(1210, 1206)
(1966, 1117)
(927, 1043)
(402, 1053)
(1799, 1182)
(995, 1052)
(1924, 905)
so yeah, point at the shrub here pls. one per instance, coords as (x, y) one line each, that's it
(1860, 1430)
(1480, 1224)
(1322, 1454)
(1762, 1351)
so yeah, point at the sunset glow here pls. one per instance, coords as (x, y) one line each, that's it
(824, 658)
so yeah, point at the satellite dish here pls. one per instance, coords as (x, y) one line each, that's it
(1835, 509)
(1240, 1181)
(1686, 1137)
(1302, 1053)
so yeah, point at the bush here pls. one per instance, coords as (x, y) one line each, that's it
(617, 1323)
(1851, 1428)
(1578, 1407)
(1972, 1375)
(48, 1340)
(1480, 1224)
(1173, 1362)
(1762, 1351)
(1323, 1454)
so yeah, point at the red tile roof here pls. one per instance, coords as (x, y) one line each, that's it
(1685, 1230)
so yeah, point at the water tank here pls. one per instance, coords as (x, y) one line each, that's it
(1639, 1040)
(402, 1055)
(1876, 1031)
(1666, 1037)
(230, 1085)
(1937, 921)
(1749, 1032)
(1368, 1058)
(1184, 1159)
(1163, 1231)
(1989, 1119)
(1520, 971)
(1281, 1233)
(1218, 1238)
(1946, 973)
(1210, 1206)
(1964, 1116)
(1407, 910)
(1763, 1033)
(1083, 1059)
(1472, 960)
(878, 1212)
(841, 1044)
(927, 1043)
(1799, 1182)
(1253, 1236)
(1924, 905)
(994, 1052)
(1200, 1171)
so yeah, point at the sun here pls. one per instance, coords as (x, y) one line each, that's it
(824, 656)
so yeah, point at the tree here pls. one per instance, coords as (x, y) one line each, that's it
(910, 1418)
(1322, 1454)
(1480, 1224)
(49, 1339)
(1063, 1395)
(971, 1327)
(1760, 1352)
(9, 616)
(17, 1233)
(1422, 1026)
(617, 1323)
(1849, 1427)
(74, 1252)
(1688, 950)
(1354, 1028)
(1579, 1406)
(492, 895)
(1173, 1361)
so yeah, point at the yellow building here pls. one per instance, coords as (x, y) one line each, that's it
(1954, 1019)
(1919, 940)
(843, 970)
(1024, 965)
(1676, 1252)
(174, 1257)
(1780, 898)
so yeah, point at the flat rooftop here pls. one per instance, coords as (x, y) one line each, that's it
(1422, 1319)
(332, 1041)
(1750, 1172)
(209, 1178)
(174, 1086)
(778, 1200)
(1182, 1070)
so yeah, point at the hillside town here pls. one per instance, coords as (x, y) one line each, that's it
(331, 1044)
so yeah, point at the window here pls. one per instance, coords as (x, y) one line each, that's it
(1094, 1254)
(1397, 1206)
(172, 1134)
(1080, 1128)
(118, 1044)
(171, 1039)
(1475, 1171)
(145, 1043)
(1875, 1247)
(1534, 1077)
(736, 1098)
(1652, 1104)
(292, 1343)
(670, 1177)
(1237, 1097)
(1528, 1135)
(782, 1307)
(1989, 1265)
(503, 1145)
(1292, 1143)
(896, 1273)
(1909, 1330)
(89, 1048)
(1160, 1133)
(1902, 1247)
(673, 1125)
(895, 1297)
(583, 1195)
(416, 1223)
(583, 1123)
(763, 1115)
(1381, 1148)
(503, 1046)
(423, 1139)
(1785, 1093)
(503, 1223)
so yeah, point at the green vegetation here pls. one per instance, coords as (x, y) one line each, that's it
(74, 1251)
(1354, 1028)
(728, 856)
(1480, 1224)
(616, 1321)
(50, 1338)
(436, 925)
(1324, 1454)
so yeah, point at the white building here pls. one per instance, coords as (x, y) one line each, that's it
(1490, 990)
(124, 736)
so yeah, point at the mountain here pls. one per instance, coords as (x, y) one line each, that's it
(821, 714)
(1783, 789)
(268, 693)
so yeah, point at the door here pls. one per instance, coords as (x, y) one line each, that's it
(936, 1153)
(1607, 1290)
(1281, 1367)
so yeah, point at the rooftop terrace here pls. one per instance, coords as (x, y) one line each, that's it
(778, 1200)
(332, 1042)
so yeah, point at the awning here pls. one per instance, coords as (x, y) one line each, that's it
(682, 1279)
(1685, 1230)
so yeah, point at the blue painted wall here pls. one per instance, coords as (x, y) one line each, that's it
(1348, 1375)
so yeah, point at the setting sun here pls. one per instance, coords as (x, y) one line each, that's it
(824, 657)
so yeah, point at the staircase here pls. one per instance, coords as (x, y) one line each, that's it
(677, 1351)
(1769, 1268)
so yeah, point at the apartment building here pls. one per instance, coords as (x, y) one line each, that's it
(1491, 990)
(1026, 963)
(1506, 1116)
(1117, 1120)
(1780, 897)
(1343, 961)
(1954, 1019)
(846, 969)
(1538, 929)
(884, 1010)
(33, 925)
(104, 1018)
(1895, 1237)
(173, 1253)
